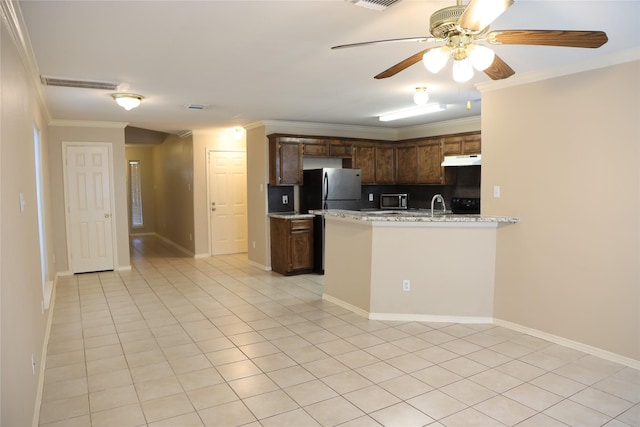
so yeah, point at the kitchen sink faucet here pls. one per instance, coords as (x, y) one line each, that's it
(438, 198)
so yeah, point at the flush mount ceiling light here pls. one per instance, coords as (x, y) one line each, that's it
(127, 100)
(421, 97)
(412, 112)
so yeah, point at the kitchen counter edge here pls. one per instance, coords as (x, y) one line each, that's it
(290, 215)
(412, 217)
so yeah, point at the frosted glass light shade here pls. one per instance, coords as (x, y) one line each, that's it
(435, 59)
(481, 57)
(462, 70)
(421, 97)
(127, 101)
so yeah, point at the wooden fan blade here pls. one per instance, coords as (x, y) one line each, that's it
(499, 69)
(402, 65)
(587, 39)
(480, 13)
(401, 40)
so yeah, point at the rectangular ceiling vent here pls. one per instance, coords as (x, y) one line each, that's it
(196, 106)
(84, 84)
(374, 4)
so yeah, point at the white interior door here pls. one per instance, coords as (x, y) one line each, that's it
(227, 173)
(88, 196)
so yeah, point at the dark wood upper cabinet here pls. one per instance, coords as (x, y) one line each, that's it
(364, 159)
(285, 161)
(407, 164)
(385, 170)
(429, 160)
(416, 161)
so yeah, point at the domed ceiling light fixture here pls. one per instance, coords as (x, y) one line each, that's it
(127, 101)
(421, 97)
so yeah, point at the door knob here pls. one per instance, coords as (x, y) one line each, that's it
(107, 215)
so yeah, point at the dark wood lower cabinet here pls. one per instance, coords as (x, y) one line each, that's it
(291, 245)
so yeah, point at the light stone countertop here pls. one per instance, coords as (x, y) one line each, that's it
(411, 216)
(291, 215)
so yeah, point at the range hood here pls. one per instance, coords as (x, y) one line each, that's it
(464, 160)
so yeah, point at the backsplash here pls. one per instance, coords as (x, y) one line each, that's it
(275, 195)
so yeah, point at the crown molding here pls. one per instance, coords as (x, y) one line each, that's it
(465, 124)
(11, 16)
(629, 55)
(88, 124)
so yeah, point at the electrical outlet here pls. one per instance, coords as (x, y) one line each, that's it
(371, 197)
(285, 199)
(496, 191)
(406, 285)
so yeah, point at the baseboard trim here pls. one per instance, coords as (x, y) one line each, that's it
(124, 268)
(43, 357)
(200, 256)
(175, 245)
(260, 266)
(343, 304)
(399, 317)
(585, 348)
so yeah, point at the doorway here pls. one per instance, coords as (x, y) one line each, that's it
(227, 183)
(88, 172)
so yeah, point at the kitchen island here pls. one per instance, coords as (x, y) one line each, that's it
(412, 265)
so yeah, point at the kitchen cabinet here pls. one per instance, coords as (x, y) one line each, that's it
(364, 159)
(385, 165)
(340, 149)
(407, 164)
(291, 245)
(429, 159)
(285, 161)
(461, 144)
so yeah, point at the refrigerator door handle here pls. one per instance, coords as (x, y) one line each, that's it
(325, 192)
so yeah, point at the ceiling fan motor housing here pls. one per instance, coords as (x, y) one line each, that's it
(444, 21)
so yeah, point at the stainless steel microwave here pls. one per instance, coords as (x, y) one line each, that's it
(394, 201)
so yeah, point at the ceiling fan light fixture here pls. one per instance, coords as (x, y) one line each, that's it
(462, 70)
(127, 101)
(435, 59)
(412, 112)
(421, 96)
(481, 57)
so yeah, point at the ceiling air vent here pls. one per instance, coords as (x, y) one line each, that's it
(85, 84)
(374, 4)
(196, 106)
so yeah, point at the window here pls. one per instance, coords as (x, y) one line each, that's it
(136, 193)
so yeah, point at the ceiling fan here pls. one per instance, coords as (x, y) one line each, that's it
(461, 27)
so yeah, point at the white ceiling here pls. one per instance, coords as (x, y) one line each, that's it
(271, 60)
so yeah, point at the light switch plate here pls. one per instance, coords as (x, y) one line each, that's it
(496, 191)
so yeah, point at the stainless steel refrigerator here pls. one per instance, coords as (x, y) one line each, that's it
(328, 188)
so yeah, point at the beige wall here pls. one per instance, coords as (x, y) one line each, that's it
(203, 142)
(143, 154)
(566, 154)
(22, 320)
(173, 178)
(257, 179)
(89, 132)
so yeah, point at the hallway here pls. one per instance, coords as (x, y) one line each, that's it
(217, 342)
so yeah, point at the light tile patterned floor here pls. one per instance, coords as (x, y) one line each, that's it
(216, 342)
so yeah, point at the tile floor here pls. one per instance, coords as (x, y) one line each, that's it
(216, 342)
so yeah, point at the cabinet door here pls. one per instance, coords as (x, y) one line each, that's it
(290, 162)
(385, 165)
(471, 144)
(301, 250)
(364, 160)
(429, 160)
(407, 165)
